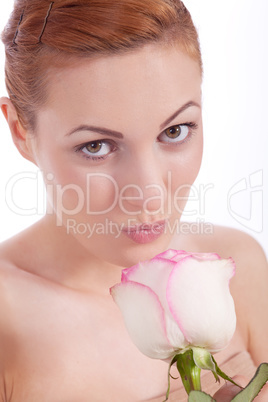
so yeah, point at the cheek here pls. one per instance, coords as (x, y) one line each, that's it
(186, 165)
(73, 190)
(183, 171)
(89, 194)
(101, 193)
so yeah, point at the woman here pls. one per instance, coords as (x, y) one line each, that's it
(105, 98)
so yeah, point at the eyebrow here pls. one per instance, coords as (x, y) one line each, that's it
(117, 134)
(99, 130)
(178, 112)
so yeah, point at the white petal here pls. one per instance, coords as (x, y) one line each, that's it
(155, 274)
(174, 255)
(206, 256)
(200, 301)
(174, 333)
(170, 254)
(144, 319)
(177, 255)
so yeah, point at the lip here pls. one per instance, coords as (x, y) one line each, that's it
(146, 232)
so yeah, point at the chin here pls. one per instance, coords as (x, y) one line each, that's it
(133, 253)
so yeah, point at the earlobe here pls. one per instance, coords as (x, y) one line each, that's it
(19, 134)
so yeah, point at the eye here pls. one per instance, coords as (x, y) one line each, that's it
(175, 134)
(97, 149)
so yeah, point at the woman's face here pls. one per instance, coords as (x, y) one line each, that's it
(119, 142)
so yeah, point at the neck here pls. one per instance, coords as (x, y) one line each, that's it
(62, 259)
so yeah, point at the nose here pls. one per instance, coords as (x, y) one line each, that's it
(144, 190)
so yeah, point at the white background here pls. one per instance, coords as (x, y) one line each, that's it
(234, 43)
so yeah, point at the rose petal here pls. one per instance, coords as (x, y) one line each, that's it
(200, 301)
(177, 255)
(206, 256)
(155, 274)
(144, 318)
(174, 255)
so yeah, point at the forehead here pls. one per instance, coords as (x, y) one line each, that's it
(156, 76)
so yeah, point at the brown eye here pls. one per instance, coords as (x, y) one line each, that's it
(94, 147)
(98, 149)
(173, 132)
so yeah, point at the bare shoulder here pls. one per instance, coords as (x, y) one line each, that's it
(249, 285)
(9, 293)
(251, 277)
(8, 274)
(233, 242)
(11, 279)
(10, 271)
(225, 241)
(22, 309)
(19, 256)
(16, 287)
(249, 257)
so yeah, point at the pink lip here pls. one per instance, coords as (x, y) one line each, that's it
(145, 233)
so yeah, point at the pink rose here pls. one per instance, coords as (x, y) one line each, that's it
(178, 300)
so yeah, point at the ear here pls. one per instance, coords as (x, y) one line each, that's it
(20, 136)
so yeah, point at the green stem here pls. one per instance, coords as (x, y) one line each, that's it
(195, 379)
(189, 372)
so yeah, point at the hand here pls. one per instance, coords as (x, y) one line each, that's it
(228, 391)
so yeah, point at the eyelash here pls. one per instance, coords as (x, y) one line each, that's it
(96, 158)
(192, 127)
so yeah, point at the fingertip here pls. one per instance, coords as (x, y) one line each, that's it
(227, 391)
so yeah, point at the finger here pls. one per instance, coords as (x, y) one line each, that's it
(229, 390)
(226, 393)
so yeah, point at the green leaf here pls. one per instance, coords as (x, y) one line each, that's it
(199, 396)
(254, 386)
(173, 361)
(223, 375)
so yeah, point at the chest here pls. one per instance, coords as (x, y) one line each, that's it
(67, 349)
(75, 349)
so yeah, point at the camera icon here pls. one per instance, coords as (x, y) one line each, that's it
(245, 202)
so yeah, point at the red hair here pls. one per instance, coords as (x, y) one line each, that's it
(41, 34)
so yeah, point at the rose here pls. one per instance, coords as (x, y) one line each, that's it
(178, 300)
(178, 306)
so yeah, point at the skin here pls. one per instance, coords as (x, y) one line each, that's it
(62, 335)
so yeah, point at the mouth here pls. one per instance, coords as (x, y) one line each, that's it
(146, 232)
